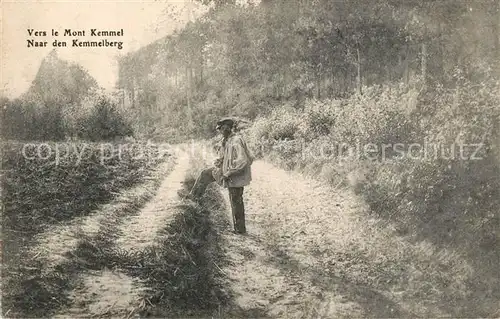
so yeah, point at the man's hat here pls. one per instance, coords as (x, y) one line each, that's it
(226, 120)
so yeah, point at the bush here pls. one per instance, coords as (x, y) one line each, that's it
(284, 124)
(446, 199)
(30, 121)
(51, 120)
(320, 118)
(40, 193)
(105, 122)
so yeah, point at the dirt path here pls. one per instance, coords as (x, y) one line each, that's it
(269, 272)
(112, 293)
(310, 254)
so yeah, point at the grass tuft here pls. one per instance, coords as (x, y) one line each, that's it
(182, 271)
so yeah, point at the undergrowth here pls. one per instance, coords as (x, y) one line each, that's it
(182, 271)
(430, 196)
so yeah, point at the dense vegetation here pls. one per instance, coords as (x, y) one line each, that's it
(312, 75)
(41, 189)
(246, 60)
(63, 102)
(82, 176)
(318, 74)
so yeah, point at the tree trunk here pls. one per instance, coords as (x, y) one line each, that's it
(192, 76)
(406, 71)
(349, 82)
(496, 40)
(358, 79)
(188, 96)
(134, 92)
(345, 80)
(282, 84)
(201, 72)
(318, 80)
(424, 64)
(333, 82)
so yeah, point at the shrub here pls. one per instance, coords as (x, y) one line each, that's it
(51, 120)
(39, 193)
(266, 133)
(447, 199)
(320, 118)
(284, 124)
(104, 123)
(381, 116)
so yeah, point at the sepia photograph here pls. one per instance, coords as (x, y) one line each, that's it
(250, 159)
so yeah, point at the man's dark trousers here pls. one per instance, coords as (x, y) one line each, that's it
(235, 197)
(238, 209)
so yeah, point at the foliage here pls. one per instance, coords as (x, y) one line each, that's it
(188, 259)
(445, 191)
(382, 115)
(105, 122)
(40, 193)
(249, 59)
(63, 102)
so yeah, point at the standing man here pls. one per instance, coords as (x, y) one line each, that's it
(232, 170)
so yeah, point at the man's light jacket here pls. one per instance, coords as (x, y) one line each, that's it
(236, 163)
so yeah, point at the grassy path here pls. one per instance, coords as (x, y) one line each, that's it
(112, 293)
(311, 252)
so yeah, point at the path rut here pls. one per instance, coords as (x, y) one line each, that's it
(113, 293)
(310, 252)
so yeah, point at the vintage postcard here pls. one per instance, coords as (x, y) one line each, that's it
(250, 159)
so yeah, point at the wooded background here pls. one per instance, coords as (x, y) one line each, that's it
(245, 59)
